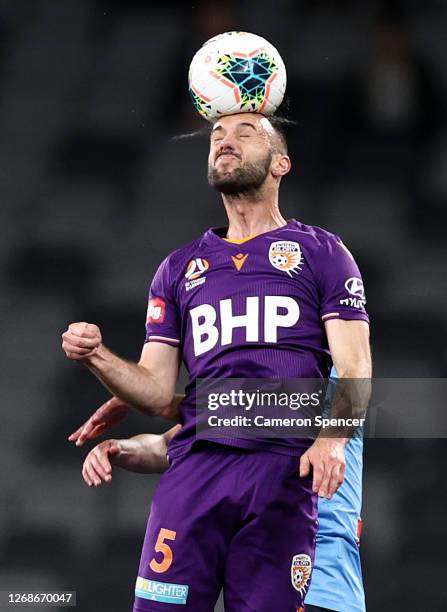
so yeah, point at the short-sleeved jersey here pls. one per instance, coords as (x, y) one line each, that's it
(253, 309)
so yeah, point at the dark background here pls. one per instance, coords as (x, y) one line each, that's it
(95, 193)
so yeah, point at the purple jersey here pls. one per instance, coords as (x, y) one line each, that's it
(253, 309)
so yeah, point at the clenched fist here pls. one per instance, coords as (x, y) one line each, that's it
(81, 340)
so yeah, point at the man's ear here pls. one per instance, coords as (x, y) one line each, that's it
(281, 165)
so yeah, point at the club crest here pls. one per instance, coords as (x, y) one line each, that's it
(286, 256)
(301, 570)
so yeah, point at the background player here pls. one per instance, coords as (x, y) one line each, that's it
(247, 161)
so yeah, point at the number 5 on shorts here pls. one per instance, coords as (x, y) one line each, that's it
(162, 547)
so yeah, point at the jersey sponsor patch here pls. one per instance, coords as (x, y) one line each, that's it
(167, 592)
(286, 256)
(354, 286)
(356, 299)
(156, 310)
(279, 312)
(300, 571)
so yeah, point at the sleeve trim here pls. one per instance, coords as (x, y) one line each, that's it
(162, 339)
(330, 315)
(347, 315)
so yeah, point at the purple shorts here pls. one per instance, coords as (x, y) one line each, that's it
(228, 518)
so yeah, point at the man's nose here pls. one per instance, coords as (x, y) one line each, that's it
(227, 142)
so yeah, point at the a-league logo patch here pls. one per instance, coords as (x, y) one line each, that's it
(301, 570)
(286, 256)
(194, 271)
(196, 267)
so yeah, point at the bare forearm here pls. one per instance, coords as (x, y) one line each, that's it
(357, 385)
(145, 453)
(130, 382)
(171, 411)
(349, 402)
(360, 369)
(351, 354)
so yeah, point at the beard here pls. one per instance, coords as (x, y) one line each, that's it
(248, 178)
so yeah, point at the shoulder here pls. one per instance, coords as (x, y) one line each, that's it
(316, 240)
(328, 257)
(175, 263)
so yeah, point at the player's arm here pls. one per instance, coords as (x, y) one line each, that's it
(351, 355)
(349, 345)
(148, 385)
(145, 453)
(113, 412)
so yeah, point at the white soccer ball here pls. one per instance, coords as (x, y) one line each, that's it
(236, 72)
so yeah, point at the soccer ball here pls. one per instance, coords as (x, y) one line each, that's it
(236, 72)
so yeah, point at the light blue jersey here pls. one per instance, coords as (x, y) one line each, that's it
(336, 581)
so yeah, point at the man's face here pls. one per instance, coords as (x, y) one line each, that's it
(240, 153)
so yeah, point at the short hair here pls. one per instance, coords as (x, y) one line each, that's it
(279, 124)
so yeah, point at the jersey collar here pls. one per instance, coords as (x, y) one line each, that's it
(217, 234)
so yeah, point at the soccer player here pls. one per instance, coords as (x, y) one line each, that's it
(261, 298)
(336, 583)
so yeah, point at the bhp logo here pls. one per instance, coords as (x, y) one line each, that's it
(279, 311)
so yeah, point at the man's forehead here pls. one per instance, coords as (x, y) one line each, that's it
(255, 120)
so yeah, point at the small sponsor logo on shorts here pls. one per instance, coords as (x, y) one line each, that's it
(300, 571)
(167, 592)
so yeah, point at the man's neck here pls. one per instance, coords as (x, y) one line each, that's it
(250, 217)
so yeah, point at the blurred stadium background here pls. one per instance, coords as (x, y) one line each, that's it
(95, 192)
